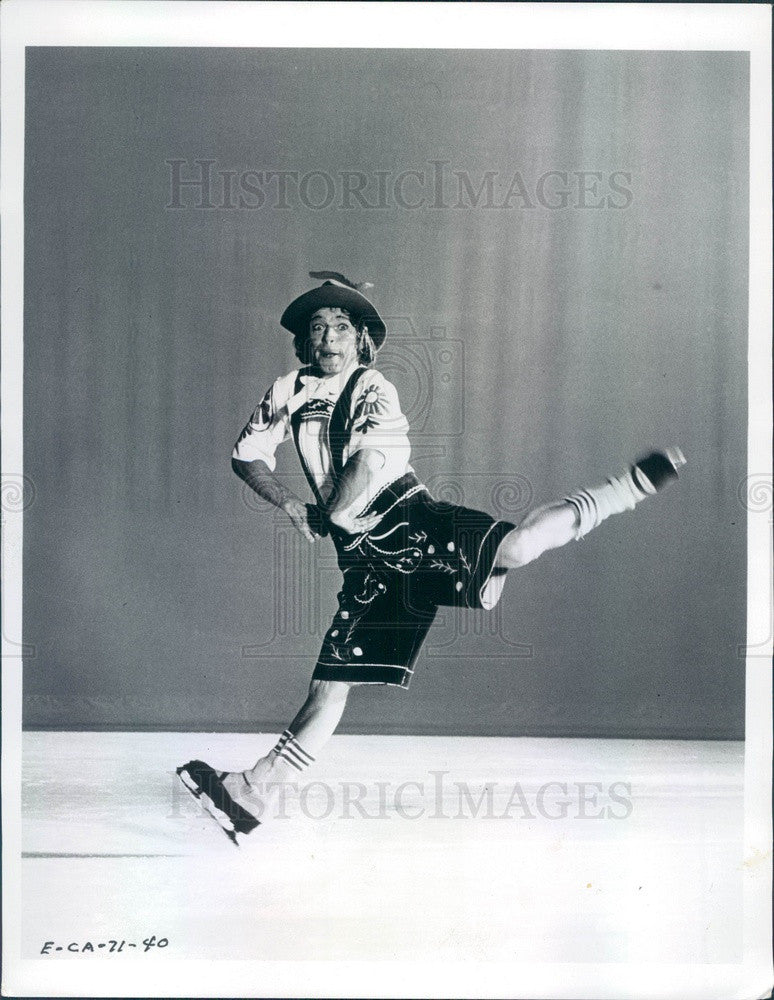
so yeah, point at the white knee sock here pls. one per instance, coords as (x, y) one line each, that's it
(618, 494)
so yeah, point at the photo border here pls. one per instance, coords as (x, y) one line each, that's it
(676, 27)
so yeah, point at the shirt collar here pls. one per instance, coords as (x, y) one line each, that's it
(315, 387)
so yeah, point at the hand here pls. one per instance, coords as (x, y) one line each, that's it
(298, 512)
(316, 519)
(347, 522)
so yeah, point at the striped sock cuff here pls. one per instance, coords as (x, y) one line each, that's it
(597, 503)
(295, 755)
(586, 506)
(286, 736)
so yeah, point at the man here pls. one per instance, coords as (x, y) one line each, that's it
(402, 554)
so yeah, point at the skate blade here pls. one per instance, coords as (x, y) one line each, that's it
(221, 818)
(676, 457)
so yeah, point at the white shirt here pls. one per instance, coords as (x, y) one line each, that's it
(376, 422)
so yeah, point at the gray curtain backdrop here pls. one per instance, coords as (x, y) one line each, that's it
(564, 272)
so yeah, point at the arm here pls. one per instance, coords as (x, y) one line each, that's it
(258, 477)
(378, 438)
(354, 490)
(253, 460)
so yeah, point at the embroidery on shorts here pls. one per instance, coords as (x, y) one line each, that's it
(352, 608)
(371, 588)
(442, 566)
(405, 560)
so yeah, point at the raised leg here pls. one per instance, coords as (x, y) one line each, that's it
(556, 524)
(542, 529)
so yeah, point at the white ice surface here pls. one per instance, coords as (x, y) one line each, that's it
(114, 848)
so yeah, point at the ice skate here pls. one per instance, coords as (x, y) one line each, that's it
(206, 785)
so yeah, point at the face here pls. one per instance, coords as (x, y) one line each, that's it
(332, 340)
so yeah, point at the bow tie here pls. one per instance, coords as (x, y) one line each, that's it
(315, 384)
(331, 386)
(313, 387)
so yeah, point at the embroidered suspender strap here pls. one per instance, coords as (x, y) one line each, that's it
(338, 428)
(295, 423)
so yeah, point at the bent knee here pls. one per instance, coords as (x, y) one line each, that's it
(518, 549)
(329, 691)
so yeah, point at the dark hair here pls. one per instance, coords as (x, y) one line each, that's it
(366, 349)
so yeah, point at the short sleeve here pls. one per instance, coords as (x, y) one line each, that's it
(379, 423)
(266, 429)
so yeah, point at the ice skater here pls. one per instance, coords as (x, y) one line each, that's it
(402, 553)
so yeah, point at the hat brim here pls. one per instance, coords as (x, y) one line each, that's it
(297, 315)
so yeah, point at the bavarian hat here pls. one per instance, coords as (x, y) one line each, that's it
(336, 290)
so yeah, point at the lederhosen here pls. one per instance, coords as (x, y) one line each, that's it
(421, 555)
